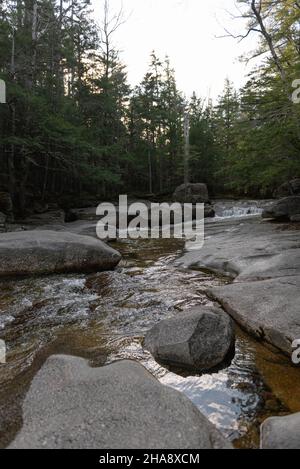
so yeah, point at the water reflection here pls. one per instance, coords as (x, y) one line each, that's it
(230, 398)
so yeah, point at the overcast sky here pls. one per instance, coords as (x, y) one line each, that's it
(187, 31)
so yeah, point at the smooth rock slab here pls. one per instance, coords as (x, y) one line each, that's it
(268, 309)
(264, 260)
(120, 406)
(44, 252)
(286, 208)
(247, 250)
(281, 432)
(199, 339)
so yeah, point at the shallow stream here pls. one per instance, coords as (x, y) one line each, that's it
(104, 317)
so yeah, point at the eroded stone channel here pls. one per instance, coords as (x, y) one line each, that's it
(104, 317)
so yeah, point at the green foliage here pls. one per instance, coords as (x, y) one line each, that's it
(72, 124)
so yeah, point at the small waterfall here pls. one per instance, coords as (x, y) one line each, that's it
(241, 212)
(239, 209)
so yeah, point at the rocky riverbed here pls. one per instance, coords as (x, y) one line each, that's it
(104, 317)
(263, 260)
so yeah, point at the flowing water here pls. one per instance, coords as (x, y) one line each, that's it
(104, 317)
(236, 209)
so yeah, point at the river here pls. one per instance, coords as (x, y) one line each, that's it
(103, 317)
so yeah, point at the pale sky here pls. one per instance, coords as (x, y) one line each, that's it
(187, 31)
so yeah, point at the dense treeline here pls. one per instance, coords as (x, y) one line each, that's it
(73, 127)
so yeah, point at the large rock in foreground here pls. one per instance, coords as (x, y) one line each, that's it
(281, 432)
(287, 208)
(191, 193)
(200, 339)
(46, 252)
(121, 406)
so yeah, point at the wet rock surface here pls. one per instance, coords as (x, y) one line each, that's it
(273, 316)
(70, 405)
(281, 432)
(264, 261)
(199, 340)
(44, 252)
(104, 317)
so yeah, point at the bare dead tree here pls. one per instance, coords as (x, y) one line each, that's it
(256, 8)
(257, 15)
(111, 23)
